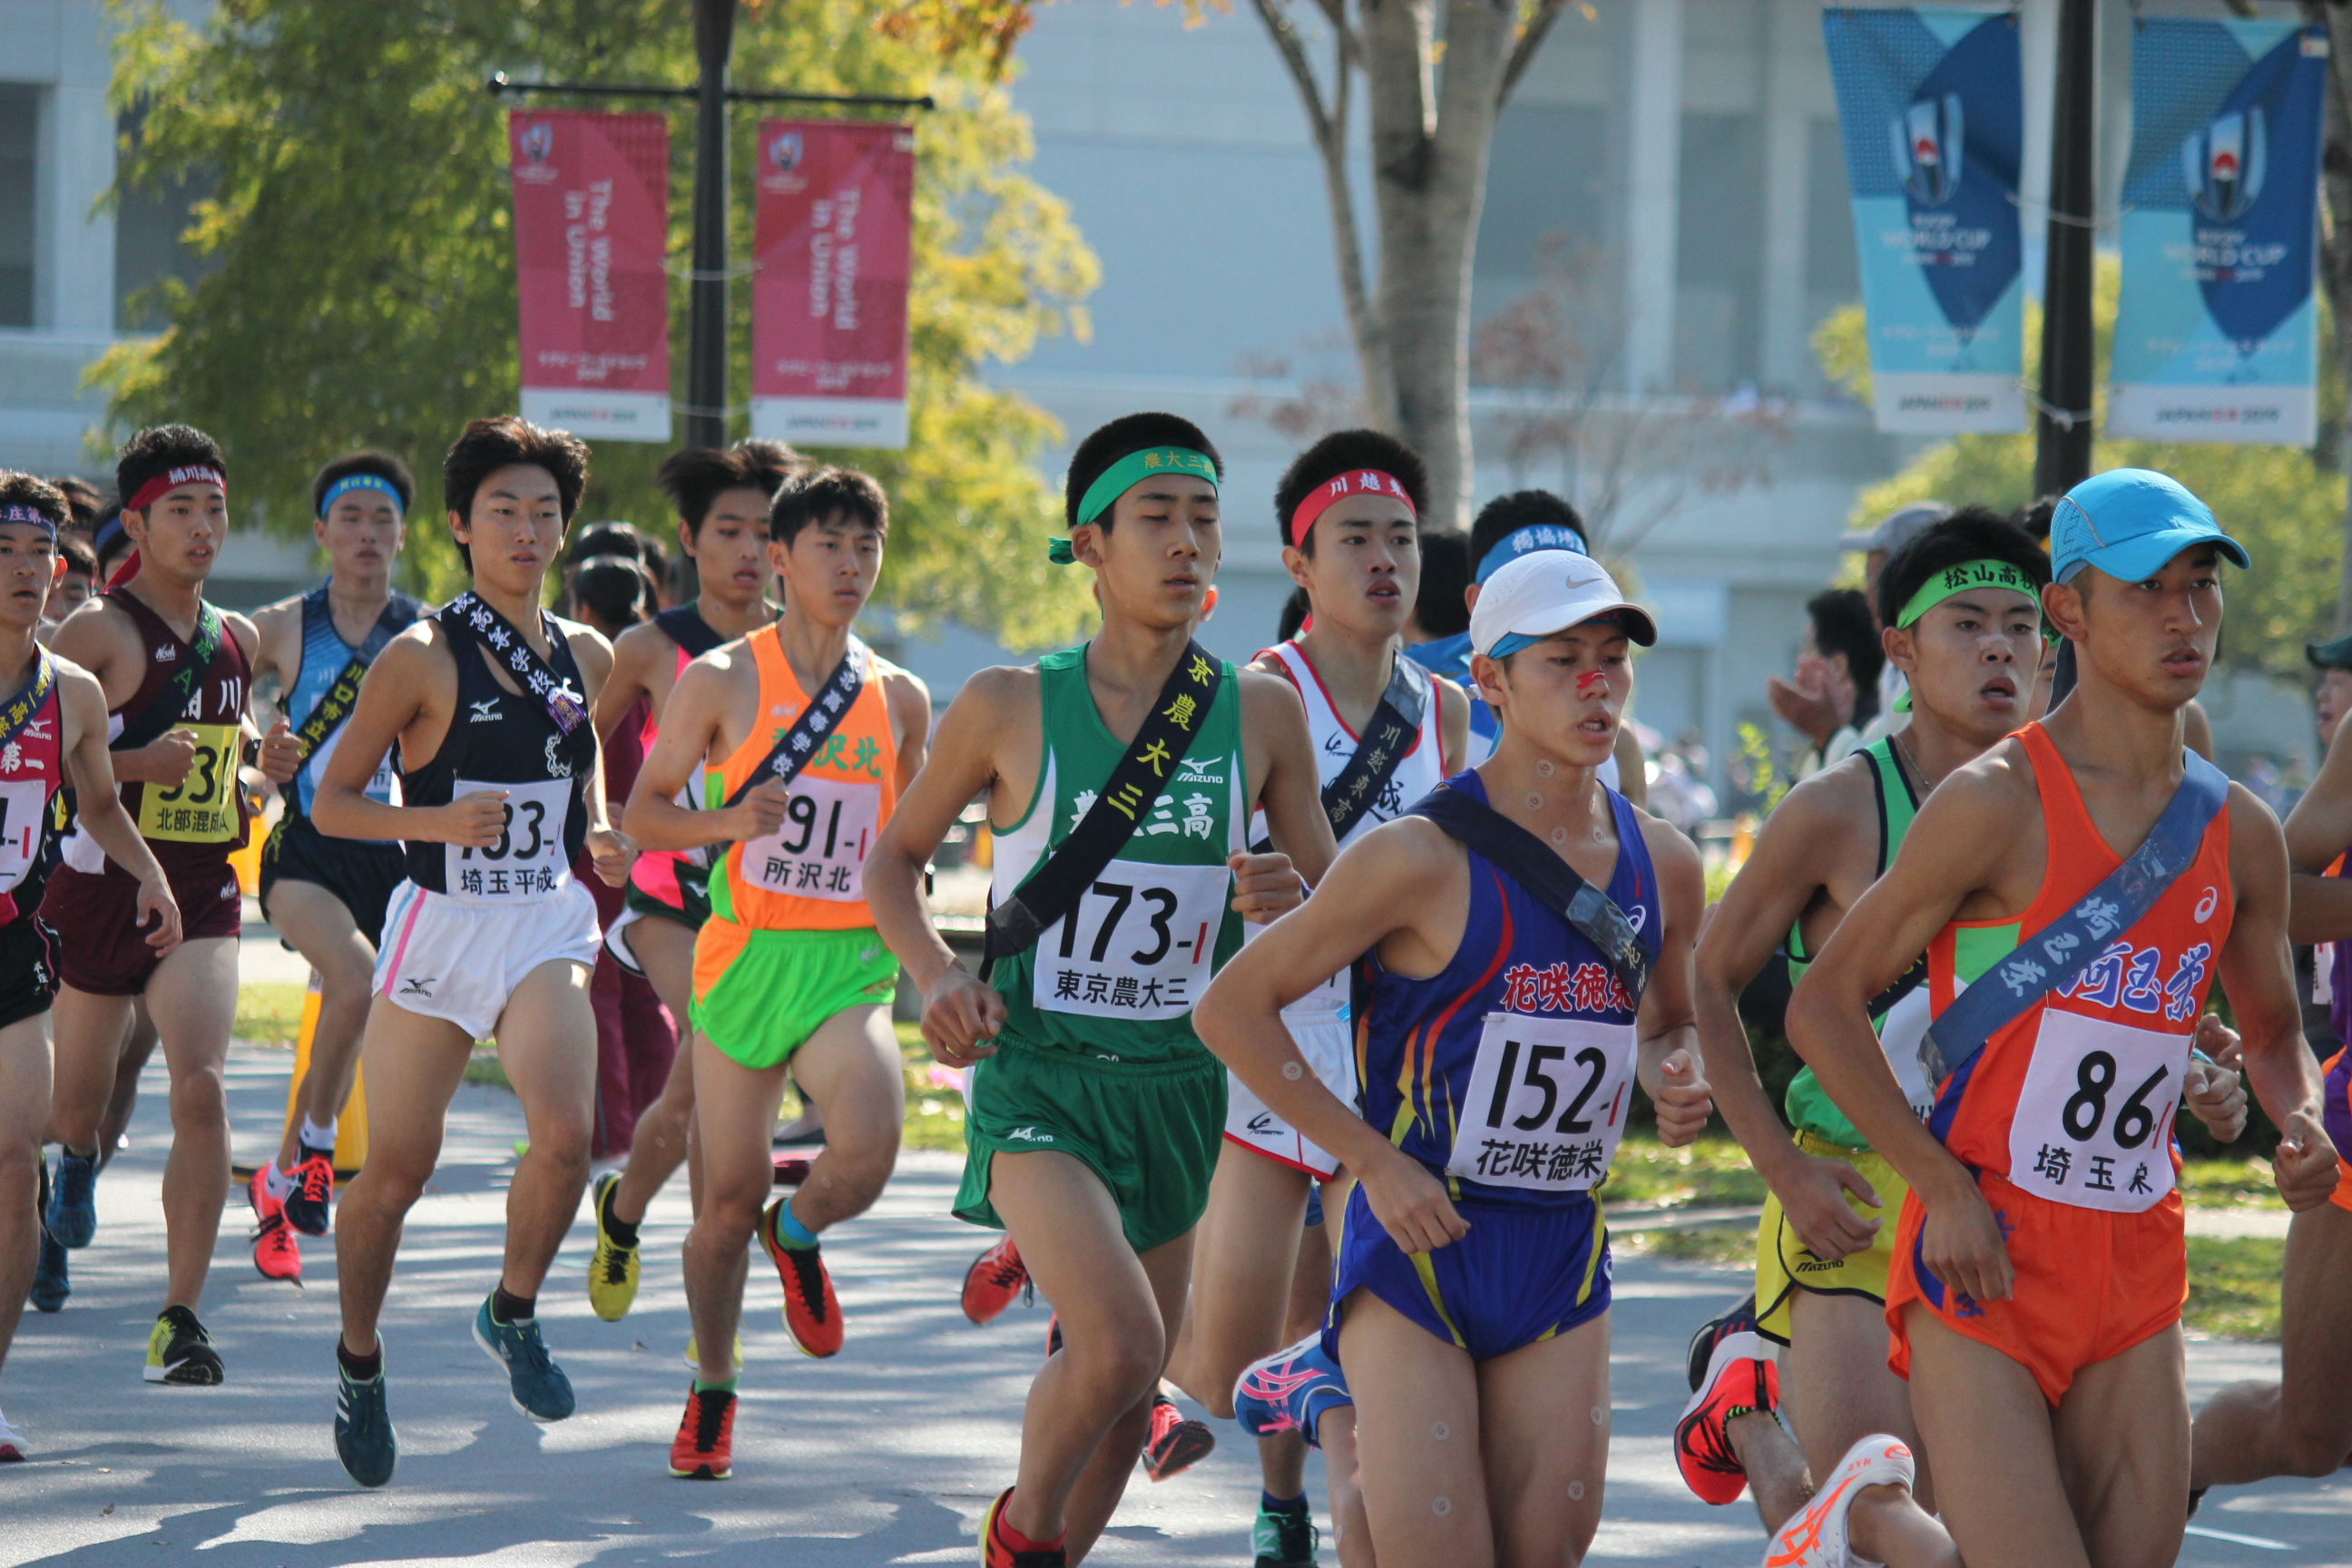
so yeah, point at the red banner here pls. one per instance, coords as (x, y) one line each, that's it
(591, 228)
(834, 247)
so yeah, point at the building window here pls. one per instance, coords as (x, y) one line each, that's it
(148, 222)
(20, 118)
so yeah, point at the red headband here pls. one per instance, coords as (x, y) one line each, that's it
(1356, 482)
(191, 474)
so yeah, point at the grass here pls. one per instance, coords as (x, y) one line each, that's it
(934, 1097)
(268, 1015)
(1711, 1172)
(2233, 1286)
(2229, 1184)
(1727, 1243)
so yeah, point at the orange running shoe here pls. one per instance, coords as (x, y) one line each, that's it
(704, 1449)
(1177, 1442)
(1739, 1378)
(274, 1252)
(997, 1548)
(995, 1278)
(812, 1314)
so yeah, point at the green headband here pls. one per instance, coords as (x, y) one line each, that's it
(1954, 579)
(1125, 475)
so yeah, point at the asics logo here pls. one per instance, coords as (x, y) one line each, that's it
(1275, 1385)
(1028, 1135)
(486, 712)
(2205, 905)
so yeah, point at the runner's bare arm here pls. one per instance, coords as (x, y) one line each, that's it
(908, 701)
(1633, 768)
(1281, 750)
(610, 850)
(1670, 1069)
(961, 1015)
(1452, 725)
(105, 642)
(633, 653)
(2258, 974)
(414, 667)
(688, 733)
(1806, 833)
(1382, 891)
(82, 703)
(277, 662)
(2318, 830)
(1956, 846)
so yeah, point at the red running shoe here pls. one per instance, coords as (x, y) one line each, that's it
(704, 1449)
(997, 1552)
(812, 1314)
(314, 1189)
(995, 1278)
(274, 1252)
(1738, 1378)
(1177, 1442)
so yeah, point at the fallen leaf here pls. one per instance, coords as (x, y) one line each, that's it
(107, 1510)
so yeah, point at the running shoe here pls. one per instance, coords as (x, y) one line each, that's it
(1283, 1538)
(179, 1352)
(364, 1440)
(995, 1278)
(1739, 1318)
(704, 1449)
(1816, 1536)
(12, 1444)
(1177, 1442)
(314, 1191)
(51, 1285)
(537, 1385)
(274, 1251)
(612, 1270)
(72, 1216)
(995, 1552)
(1289, 1390)
(792, 1170)
(812, 1313)
(694, 1363)
(1739, 1378)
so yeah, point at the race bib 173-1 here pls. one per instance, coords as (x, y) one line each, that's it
(1138, 945)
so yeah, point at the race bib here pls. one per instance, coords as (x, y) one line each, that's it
(1899, 1034)
(21, 804)
(202, 807)
(819, 850)
(2094, 1122)
(1138, 945)
(383, 785)
(528, 861)
(1547, 1103)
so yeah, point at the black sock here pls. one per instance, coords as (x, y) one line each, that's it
(623, 1232)
(508, 1309)
(311, 1152)
(360, 1368)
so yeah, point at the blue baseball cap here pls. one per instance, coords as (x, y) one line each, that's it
(2128, 523)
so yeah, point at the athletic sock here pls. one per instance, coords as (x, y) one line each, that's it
(360, 1368)
(623, 1232)
(315, 1138)
(505, 1309)
(279, 1183)
(704, 1386)
(1273, 1504)
(790, 1231)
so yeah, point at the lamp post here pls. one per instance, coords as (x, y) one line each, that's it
(2062, 447)
(705, 353)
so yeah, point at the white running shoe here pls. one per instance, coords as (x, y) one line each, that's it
(1816, 1537)
(12, 1443)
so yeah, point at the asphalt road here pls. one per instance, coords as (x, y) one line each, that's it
(886, 1454)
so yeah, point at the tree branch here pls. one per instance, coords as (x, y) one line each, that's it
(1351, 46)
(1287, 44)
(1530, 39)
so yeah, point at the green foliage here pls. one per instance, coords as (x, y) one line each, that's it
(2233, 1286)
(2284, 504)
(362, 291)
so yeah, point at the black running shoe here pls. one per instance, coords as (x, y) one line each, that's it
(179, 1352)
(1739, 1318)
(365, 1439)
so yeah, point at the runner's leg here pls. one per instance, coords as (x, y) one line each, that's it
(1418, 1435)
(665, 949)
(2123, 1449)
(1983, 1417)
(138, 1045)
(1543, 1423)
(321, 929)
(193, 998)
(2253, 1430)
(413, 1065)
(1836, 1387)
(91, 1032)
(546, 1037)
(23, 1112)
(1335, 1434)
(1095, 1498)
(1282, 1456)
(852, 1071)
(737, 1181)
(1248, 1257)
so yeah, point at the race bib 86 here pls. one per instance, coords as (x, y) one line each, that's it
(2094, 1122)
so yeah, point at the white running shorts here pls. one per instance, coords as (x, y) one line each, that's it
(461, 962)
(1328, 1045)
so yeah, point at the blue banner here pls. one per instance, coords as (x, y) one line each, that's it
(2216, 338)
(1934, 123)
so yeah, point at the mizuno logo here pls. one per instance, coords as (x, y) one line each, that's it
(486, 712)
(419, 987)
(1028, 1135)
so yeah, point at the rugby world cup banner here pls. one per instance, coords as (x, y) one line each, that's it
(834, 242)
(2217, 337)
(1933, 119)
(592, 222)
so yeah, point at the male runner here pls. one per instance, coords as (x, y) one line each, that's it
(1348, 509)
(2040, 1262)
(1499, 1044)
(74, 585)
(2302, 1425)
(1122, 772)
(722, 497)
(52, 726)
(802, 740)
(175, 671)
(326, 896)
(488, 699)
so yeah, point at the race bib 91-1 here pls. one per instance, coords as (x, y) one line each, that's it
(1547, 1103)
(2093, 1122)
(818, 851)
(1137, 946)
(202, 807)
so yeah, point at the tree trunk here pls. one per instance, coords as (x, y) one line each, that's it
(2335, 251)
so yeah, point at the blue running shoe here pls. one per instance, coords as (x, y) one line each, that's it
(50, 1285)
(1289, 1390)
(72, 1216)
(365, 1439)
(540, 1389)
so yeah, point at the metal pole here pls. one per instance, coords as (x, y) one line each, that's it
(705, 372)
(2062, 451)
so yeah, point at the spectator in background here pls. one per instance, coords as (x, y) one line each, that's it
(1811, 715)
(1833, 695)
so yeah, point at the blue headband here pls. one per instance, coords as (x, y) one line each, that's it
(17, 511)
(1526, 541)
(349, 482)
